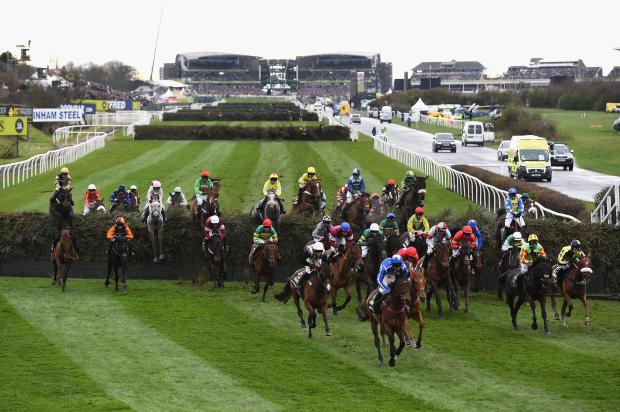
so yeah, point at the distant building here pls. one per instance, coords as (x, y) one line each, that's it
(553, 71)
(167, 71)
(427, 75)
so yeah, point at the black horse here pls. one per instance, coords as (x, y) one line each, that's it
(528, 288)
(372, 263)
(214, 251)
(410, 199)
(62, 208)
(117, 259)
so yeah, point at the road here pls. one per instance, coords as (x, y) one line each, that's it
(580, 183)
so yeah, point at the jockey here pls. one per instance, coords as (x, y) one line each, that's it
(119, 228)
(388, 189)
(417, 226)
(406, 185)
(515, 241)
(438, 233)
(91, 196)
(409, 254)
(373, 232)
(355, 186)
(177, 198)
(310, 175)
(375, 204)
(462, 237)
(202, 185)
(322, 229)
(341, 196)
(63, 181)
(479, 239)
(389, 225)
(340, 238)
(272, 185)
(313, 259)
(390, 268)
(133, 190)
(568, 255)
(155, 192)
(529, 252)
(214, 225)
(120, 195)
(529, 205)
(263, 233)
(514, 208)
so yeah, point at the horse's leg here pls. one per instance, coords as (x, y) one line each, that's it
(328, 331)
(124, 272)
(393, 356)
(554, 305)
(55, 274)
(568, 303)
(256, 286)
(65, 274)
(334, 294)
(401, 338)
(153, 244)
(420, 320)
(375, 332)
(358, 289)
(466, 294)
(299, 311)
(514, 309)
(107, 277)
(501, 280)
(265, 291)
(116, 279)
(347, 291)
(160, 238)
(438, 302)
(429, 294)
(586, 308)
(534, 321)
(311, 319)
(563, 311)
(543, 313)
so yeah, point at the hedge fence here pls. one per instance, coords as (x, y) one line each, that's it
(163, 132)
(213, 115)
(549, 198)
(27, 237)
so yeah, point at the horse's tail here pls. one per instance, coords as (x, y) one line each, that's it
(285, 294)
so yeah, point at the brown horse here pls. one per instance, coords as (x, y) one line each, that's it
(574, 286)
(417, 294)
(264, 265)
(438, 275)
(372, 264)
(215, 254)
(63, 256)
(310, 199)
(413, 198)
(393, 319)
(342, 274)
(210, 205)
(356, 213)
(510, 260)
(461, 275)
(315, 294)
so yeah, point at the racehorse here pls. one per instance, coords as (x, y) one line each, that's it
(264, 265)
(215, 253)
(271, 211)
(96, 207)
(134, 202)
(410, 200)
(574, 286)
(342, 274)
(419, 242)
(118, 259)
(119, 205)
(62, 208)
(392, 241)
(509, 261)
(393, 319)
(372, 264)
(63, 256)
(502, 232)
(476, 269)
(155, 226)
(438, 275)
(461, 275)
(310, 199)
(389, 198)
(210, 205)
(357, 212)
(417, 294)
(532, 286)
(315, 293)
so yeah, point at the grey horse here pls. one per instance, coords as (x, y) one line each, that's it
(272, 211)
(155, 225)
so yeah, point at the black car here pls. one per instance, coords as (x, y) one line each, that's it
(561, 155)
(444, 141)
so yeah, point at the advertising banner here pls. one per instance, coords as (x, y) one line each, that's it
(57, 115)
(10, 110)
(87, 108)
(111, 105)
(13, 125)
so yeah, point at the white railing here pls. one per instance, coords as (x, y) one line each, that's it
(608, 210)
(442, 121)
(83, 139)
(470, 187)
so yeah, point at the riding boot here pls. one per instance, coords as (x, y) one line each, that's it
(427, 260)
(451, 263)
(107, 252)
(301, 190)
(377, 301)
(281, 205)
(130, 248)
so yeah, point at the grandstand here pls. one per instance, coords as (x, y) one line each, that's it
(220, 74)
(433, 74)
(278, 75)
(555, 71)
(614, 73)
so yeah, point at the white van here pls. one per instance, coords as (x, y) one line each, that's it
(385, 115)
(473, 133)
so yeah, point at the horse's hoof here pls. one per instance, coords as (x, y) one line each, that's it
(392, 362)
(466, 310)
(534, 326)
(303, 326)
(564, 324)
(440, 317)
(107, 282)
(556, 317)
(335, 312)
(515, 327)
(418, 345)
(547, 332)
(587, 322)
(155, 260)
(328, 333)
(410, 343)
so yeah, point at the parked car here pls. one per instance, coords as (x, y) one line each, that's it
(444, 141)
(356, 118)
(561, 155)
(502, 150)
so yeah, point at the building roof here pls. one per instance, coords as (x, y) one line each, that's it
(353, 54)
(198, 55)
(458, 65)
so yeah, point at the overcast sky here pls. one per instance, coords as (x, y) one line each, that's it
(497, 33)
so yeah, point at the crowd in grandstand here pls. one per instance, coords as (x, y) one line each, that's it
(327, 90)
(228, 89)
(523, 72)
(242, 76)
(473, 75)
(326, 76)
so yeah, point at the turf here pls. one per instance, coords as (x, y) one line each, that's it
(167, 346)
(243, 167)
(37, 142)
(592, 137)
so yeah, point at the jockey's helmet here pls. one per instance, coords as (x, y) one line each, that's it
(345, 227)
(472, 223)
(133, 187)
(517, 236)
(177, 189)
(273, 176)
(121, 187)
(204, 173)
(375, 195)
(391, 182)
(525, 196)
(442, 227)
(410, 173)
(532, 238)
(397, 260)
(120, 221)
(92, 187)
(156, 184)
(317, 247)
(391, 215)
(64, 170)
(512, 191)
(267, 223)
(356, 171)
(374, 227)
(327, 219)
(412, 252)
(575, 244)
(311, 170)
(467, 230)
(215, 220)
(419, 210)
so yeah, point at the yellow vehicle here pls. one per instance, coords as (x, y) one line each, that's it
(528, 158)
(612, 107)
(345, 108)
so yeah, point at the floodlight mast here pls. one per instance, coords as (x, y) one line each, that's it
(156, 41)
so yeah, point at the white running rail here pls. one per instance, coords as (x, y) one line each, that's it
(608, 210)
(84, 139)
(470, 187)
